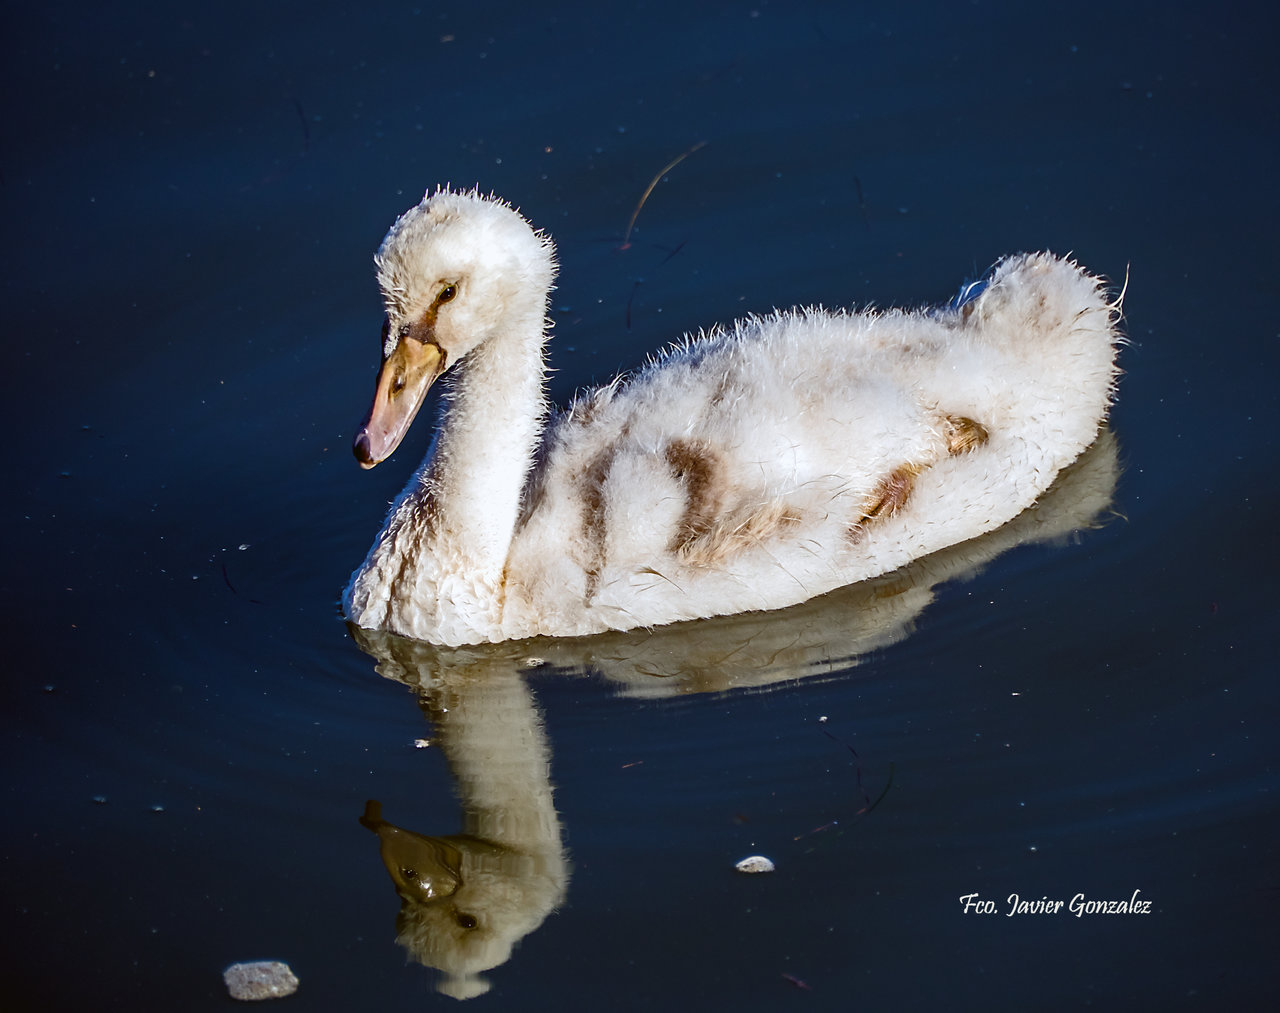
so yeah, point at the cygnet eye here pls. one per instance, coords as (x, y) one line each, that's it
(447, 293)
(404, 330)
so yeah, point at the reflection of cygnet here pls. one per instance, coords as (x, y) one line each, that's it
(468, 898)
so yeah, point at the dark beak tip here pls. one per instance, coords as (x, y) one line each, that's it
(360, 447)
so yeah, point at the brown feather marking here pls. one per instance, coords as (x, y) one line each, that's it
(593, 518)
(708, 534)
(964, 434)
(887, 498)
(693, 467)
(737, 533)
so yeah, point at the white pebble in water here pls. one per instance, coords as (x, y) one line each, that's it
(260, 979)
(755, 863)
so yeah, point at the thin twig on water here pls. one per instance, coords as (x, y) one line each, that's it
(626, 239)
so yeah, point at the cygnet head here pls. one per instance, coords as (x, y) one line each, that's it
(455, 271)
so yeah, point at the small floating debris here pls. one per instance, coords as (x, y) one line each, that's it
(260, 979)
(755, 863)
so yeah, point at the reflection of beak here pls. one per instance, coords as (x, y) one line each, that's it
(422, 868)
(403, 381)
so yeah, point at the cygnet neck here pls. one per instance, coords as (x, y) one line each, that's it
(495, 407)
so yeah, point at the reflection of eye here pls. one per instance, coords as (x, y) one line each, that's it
(409, 874)
(447, 293)
(467, 921)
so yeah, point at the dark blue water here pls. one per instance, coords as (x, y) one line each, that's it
(191, 198)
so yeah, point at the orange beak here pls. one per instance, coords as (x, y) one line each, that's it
(403, 381)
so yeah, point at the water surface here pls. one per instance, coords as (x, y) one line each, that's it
(192, 197)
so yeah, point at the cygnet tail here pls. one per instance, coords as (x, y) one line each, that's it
(1056, 317)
